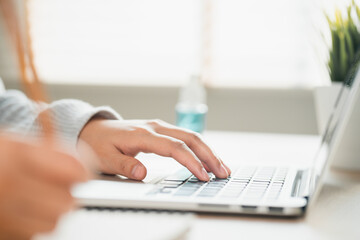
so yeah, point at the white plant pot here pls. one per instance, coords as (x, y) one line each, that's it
(325, 98)
(347, 155)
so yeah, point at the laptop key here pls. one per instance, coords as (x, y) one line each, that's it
(207, 194)
(194, 183)
(219, 180)
(170, 186)
(216, 184)
(165, 190)
(169, 183)
(254, 184)
(180, 176)
(183, 194)
(240, 179)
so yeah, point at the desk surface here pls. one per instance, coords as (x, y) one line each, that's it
(335, 215)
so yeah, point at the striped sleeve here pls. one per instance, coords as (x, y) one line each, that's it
(19, 115)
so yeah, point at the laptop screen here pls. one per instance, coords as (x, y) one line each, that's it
(336, 122)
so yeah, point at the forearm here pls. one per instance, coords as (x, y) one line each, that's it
(19, 115)
(70, 116)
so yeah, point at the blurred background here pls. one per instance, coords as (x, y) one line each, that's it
(260, 60)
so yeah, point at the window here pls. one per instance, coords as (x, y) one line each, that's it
(162, 42)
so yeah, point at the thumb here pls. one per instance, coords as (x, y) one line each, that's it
(128, 166)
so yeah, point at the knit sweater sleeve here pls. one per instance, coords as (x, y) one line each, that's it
(19, 115)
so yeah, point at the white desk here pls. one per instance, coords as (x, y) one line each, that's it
(336, 214)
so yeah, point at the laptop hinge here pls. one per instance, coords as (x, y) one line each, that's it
(301, 185)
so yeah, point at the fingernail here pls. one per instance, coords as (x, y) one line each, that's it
(223, 170)
(137, 171)
(227, 168)
(205, 175)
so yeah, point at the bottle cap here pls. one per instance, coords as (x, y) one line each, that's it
(193, 93)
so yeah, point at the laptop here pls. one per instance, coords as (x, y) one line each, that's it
(259, 190)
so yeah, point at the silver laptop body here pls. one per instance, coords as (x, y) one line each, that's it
(261, 190)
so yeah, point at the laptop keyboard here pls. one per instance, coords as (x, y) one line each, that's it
(250, 183)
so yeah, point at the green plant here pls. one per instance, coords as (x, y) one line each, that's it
(345, 37)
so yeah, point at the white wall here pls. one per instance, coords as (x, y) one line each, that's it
(262, 110)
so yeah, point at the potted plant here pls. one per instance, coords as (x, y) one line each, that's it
(345, 42)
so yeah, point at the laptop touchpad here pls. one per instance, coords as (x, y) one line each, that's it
(103, 189)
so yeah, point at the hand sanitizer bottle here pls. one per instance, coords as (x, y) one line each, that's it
(191, 109)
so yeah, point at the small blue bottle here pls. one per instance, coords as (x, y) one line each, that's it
(191, 109)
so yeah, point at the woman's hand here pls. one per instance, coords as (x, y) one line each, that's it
(35, 183)
(117, 142)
